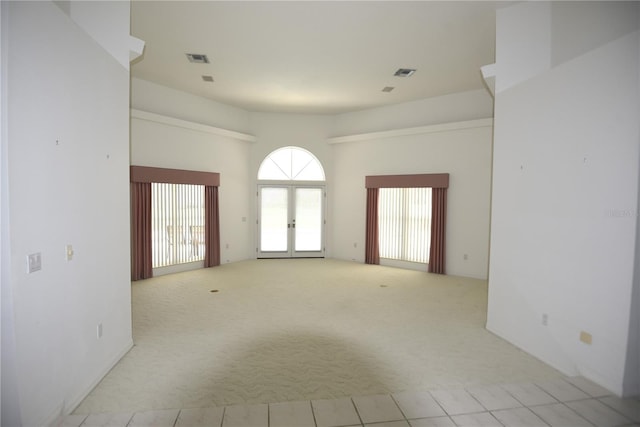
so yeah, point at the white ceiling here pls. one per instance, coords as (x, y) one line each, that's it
(322, 57)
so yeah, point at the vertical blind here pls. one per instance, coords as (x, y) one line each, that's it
(404, 221)
(177, 223)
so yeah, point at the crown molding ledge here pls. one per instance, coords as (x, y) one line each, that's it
(444, 127)
(172, 121)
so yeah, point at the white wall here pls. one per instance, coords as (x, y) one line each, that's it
(274, 131)
(152, 97)
(162, 145)
(631, 383)
(101, 21)
(67, 155)
(471, 105)
(632, 367)
(579, 28)
(565, 194)
(155, 144)
(10, 401)
(529, 30)
(310, 132)
(464, 154)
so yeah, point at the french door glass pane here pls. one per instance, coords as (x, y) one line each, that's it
(273, 219)
(308, 215)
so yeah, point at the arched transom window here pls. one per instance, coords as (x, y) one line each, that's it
(291, 164)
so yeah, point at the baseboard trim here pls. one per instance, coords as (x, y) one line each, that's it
(56, 418)
(76, 401)
(569, 370)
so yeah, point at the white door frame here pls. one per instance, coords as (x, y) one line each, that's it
(290, 252)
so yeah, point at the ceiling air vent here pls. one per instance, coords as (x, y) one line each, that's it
(207, 79)
(404, 72)
(198, 58)
(388, 88)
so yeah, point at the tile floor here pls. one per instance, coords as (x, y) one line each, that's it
(559, 403)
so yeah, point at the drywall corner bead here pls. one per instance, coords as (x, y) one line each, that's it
(136, 48)
(489, 76)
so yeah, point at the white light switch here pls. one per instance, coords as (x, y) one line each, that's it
(69, 252)
(34, 262)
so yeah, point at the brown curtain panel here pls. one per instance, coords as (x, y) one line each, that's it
(438, 228)
(211, 227)
(141, 231)
(372, 250)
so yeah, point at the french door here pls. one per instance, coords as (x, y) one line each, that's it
(291, 221)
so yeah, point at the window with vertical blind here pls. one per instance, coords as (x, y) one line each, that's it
(404, 224)
(433, 210)
(177, 224)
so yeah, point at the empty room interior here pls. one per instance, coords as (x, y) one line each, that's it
(324, 213)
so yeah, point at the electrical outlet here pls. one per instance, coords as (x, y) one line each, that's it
(586, 337)
(99, 330)
(34, 262)
(69, 252)
(465, 256)
(545, 319)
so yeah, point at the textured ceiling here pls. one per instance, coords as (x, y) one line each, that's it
(322, 57)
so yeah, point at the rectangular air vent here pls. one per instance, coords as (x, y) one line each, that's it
(404, 72)
(197, 58)
(207, 79)
(388, 88)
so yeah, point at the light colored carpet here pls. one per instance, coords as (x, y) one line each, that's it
(300, 329)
